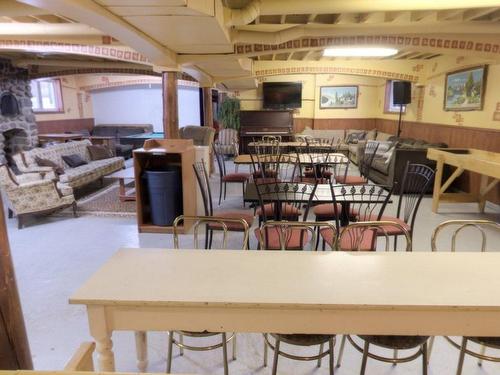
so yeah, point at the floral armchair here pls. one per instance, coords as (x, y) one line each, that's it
(33, 193)
(228, 142)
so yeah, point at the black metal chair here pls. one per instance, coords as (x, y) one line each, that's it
(354, 203)
(365, 165)
(206, 195)
(228, 178)
(416, 180)
(484, 342)
(282, 201)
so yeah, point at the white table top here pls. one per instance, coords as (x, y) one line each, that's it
(165, 277)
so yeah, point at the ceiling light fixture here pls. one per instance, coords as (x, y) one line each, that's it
(359, 52)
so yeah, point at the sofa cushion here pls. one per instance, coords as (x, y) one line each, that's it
(49, 163)
(73, 160)
(380, 165)
(355, 137)
(99, 152)
(383, 136)
(371, 135)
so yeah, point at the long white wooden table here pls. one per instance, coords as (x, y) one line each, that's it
(419, 293)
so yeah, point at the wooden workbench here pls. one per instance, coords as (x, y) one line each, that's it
(486, 163)
(419, 293)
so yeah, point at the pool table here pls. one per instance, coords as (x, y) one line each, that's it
(137, 140)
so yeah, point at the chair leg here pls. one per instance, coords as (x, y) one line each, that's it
(74, 207)
(181, 341)
(482, 351)
(20, 221)
(461, 356)
(211, 235)
(429, 348)
(169, 351)
(365, 358)
(424, 358)
(206, 236)
(331, 361)
(341, 350)
(224, 353)
(225, 190)
(11, 213)
(395, 243)
(220, 191)
(395, 356)
(276, 354)
(320, 351)
(234, 346)
(243, 193)
(265, 350)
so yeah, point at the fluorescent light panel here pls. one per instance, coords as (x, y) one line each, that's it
(359, 52)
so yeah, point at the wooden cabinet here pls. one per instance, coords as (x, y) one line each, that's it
(158, 154)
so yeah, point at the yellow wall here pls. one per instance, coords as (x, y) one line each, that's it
(434, 96)
(427, 94)
(368, 95)
(77, 103)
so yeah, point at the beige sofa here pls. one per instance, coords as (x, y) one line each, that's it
(72, 177)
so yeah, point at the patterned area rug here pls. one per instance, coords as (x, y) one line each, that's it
(104, 202)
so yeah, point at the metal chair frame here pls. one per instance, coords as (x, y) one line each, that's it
(462, 347)
(416, 180)
(285, 227)
(221, 164)
(206, 194)
(359, 229)
(203, 220)
(284, 194)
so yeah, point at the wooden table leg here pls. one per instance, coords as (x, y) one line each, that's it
(141, 347)
(102, 335)
(122, 193)
(484, 189)
(437, 185)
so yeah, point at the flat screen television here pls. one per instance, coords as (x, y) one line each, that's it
(282, 95)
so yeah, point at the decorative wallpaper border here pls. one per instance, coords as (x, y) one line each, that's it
(141, 81)
(338, 70)
(398, 40)
(113, 53)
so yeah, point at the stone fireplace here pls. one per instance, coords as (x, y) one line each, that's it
(18, 132)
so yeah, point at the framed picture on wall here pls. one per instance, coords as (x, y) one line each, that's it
(464, 89)
(332, 97)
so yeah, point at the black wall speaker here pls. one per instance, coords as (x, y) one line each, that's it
(401, 92)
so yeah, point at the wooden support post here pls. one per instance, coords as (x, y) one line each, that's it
(170, 111)
(437, 184)
(14, 348)
(208, 119)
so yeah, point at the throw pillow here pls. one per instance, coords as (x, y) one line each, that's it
(388, 155)
(355, 137)
(99, 152)
(73, 160)
(49, 163)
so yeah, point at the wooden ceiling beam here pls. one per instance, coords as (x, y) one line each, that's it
(453, 14)
(282, 19)
(472, 14)
(311, 18)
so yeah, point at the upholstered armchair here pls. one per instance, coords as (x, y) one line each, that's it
(33, 193)
(228, 142)
(201, 135)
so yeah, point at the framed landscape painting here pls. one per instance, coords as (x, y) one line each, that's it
(331, 97)
(464, 90)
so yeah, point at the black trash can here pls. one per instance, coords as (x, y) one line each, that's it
(165, 195)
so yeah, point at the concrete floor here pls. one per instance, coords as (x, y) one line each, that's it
(55, 255)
